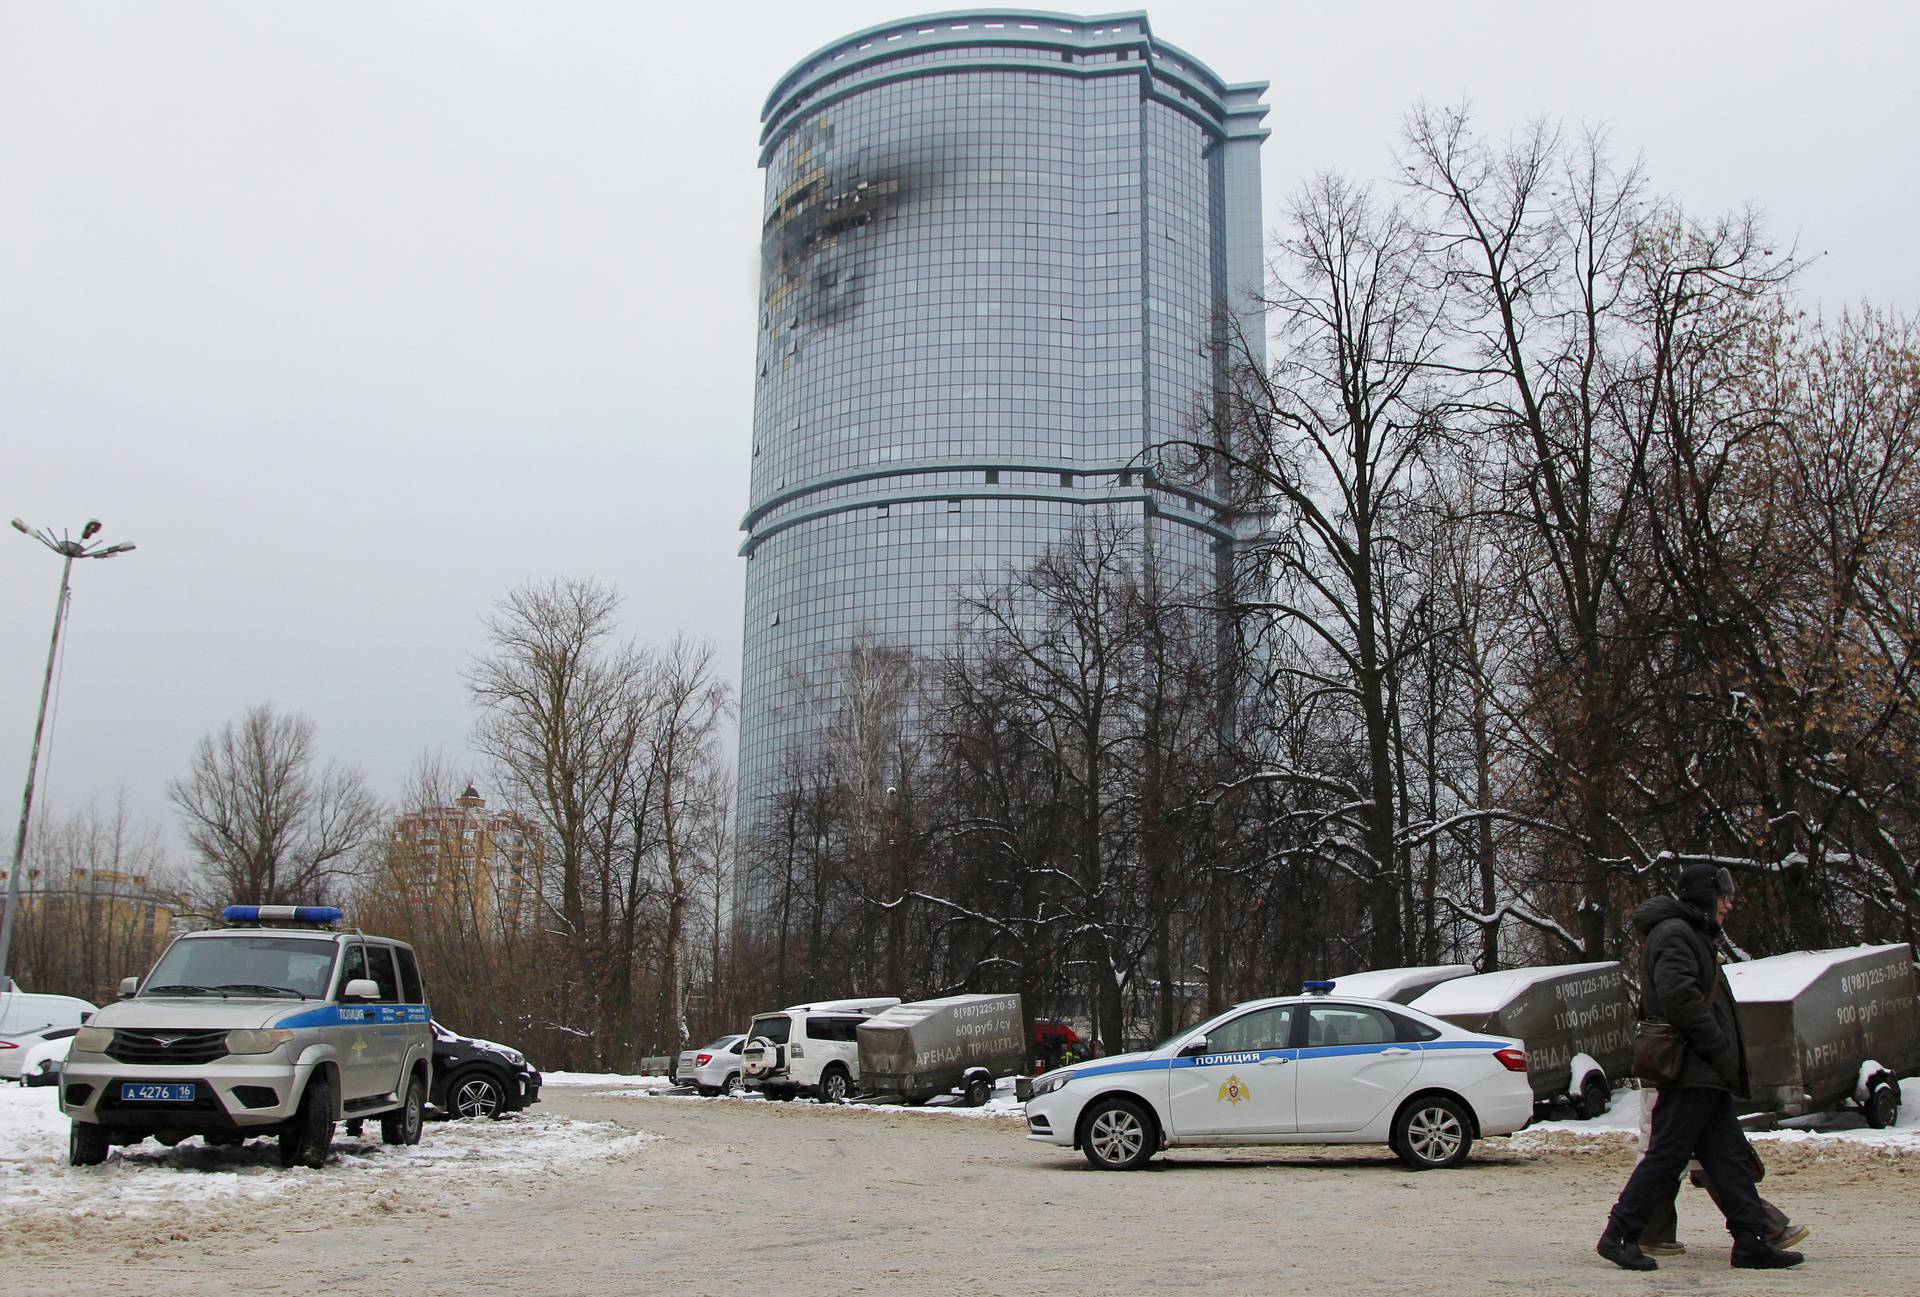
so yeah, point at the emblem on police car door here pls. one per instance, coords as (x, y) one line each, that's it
(1234, 1091)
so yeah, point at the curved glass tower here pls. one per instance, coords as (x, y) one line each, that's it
(1000, 251)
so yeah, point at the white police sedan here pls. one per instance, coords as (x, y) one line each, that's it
(1304, 1069)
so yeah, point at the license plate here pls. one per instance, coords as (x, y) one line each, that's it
(132, 1092)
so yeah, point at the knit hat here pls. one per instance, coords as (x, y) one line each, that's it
(1701, 885)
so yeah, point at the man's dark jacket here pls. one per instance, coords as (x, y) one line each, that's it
(1678, 974)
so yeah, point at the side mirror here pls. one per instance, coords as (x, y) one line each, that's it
(128, 985)
(361, 988)
(1193, 1048)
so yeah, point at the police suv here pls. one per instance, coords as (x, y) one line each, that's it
(1305, 1069)
(277, 1024)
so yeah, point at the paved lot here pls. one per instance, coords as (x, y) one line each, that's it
(738, 1197)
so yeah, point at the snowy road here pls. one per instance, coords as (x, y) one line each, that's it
(616, 1190)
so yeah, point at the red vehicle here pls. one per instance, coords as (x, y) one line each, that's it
(1056, 1044)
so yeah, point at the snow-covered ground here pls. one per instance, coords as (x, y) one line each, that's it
(1840, 1129)
(147, 1177)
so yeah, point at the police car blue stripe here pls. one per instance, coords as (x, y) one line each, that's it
(357, 1015)
(1252, 1056)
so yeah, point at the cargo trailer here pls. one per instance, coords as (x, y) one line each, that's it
(1399, 985)
(935, 1047)
(1829, 1029)
(1575, 1019)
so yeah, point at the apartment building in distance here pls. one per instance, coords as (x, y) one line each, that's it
(467, 862)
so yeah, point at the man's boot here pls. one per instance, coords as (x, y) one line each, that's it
(1751, 1252)
(1787, 1235)
(1624, 1252)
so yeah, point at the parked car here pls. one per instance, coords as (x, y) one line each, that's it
(279, 1024)
(1305, 1069)
(479, 1078)
(712, 1069)
(808, 1049)
(37, 1057)
(24, 1011)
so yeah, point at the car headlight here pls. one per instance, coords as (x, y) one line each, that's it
(513, 1056)
(253, 1041)
(1048, 1082)
(93, 1040)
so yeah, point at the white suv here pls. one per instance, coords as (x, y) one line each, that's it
(808, 1049)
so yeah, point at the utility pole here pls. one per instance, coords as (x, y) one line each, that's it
(68, 550)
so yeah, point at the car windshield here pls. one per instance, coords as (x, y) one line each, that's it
(256, 965)
(772, 1030)
(1184, 1032)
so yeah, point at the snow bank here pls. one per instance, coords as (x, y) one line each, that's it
(1839, 1129)
(1492, 992)
(606, 1080)
(149, 1177)
(1781, 977)
(1002, 1104)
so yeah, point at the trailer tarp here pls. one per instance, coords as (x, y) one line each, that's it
(1558, 1011)
(927, 1047)
(1814, 1018)
(1398, 985)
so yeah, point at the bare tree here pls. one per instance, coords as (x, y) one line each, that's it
(562, 704)
(98, 900)
(1330, 446)
(265, 825)
(1577, 302)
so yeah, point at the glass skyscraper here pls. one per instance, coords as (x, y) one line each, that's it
(1000, 253)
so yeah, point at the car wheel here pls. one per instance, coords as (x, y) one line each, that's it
(1119, 1136)
(1596, 1096)
(979, 1090)
(402, 1126)
(355, 1128)
(1883, 1107)
(834, 1086)
(86, 1144)
(733, 1088)
(475, 1095)
(307, 1139)
(1432, 1132)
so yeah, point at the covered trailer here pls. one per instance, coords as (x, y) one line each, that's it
(934, 1047)
(1399, 985)
(1575, 1019)
(1827, 1028)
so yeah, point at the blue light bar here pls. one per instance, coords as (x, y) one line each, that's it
(1316, 988)
(281, 914)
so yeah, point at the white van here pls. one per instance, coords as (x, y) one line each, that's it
(808, 1049)
(22, 1011)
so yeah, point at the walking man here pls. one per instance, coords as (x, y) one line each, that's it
(1693, 1118)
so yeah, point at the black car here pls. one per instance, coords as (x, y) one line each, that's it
(477, 1078)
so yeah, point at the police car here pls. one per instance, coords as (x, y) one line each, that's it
(1305, 1069)
(279, 1024)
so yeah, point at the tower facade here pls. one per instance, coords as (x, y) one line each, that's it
(1001, 253)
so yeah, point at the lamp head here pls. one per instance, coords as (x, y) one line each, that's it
(20, 525)
(92, 529)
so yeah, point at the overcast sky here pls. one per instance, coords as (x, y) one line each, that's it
(351, 315)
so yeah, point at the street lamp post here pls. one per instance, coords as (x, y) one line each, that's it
(68, 550)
